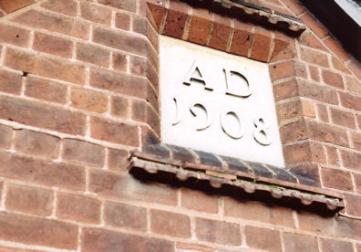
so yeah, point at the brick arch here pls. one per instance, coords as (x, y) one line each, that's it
(9, 6)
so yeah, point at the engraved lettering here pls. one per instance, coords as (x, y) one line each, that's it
(232, 125)
(236, 84)
(200, 112)
(177, 117)
(261, 132)
(195, 76)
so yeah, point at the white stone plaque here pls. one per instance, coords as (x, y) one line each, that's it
(216, 102)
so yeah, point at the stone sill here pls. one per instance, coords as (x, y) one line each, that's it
(250, 177)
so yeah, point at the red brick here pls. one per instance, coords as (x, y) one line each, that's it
(356, 140)
(78, 207)
(120, 62)
(66, 7)
(175, 23)
(333, 79)
(120, 106)
(39, 115)
(171, 224)
(296, 153)
(114, 132)
(355, 67)
(262, 238)
(336, 179)
(92, 54)
(86, 99)
(42, 172)
(357, 178)
(53, 23)
(6, 134)
(95, 13)
(336, 48)
(310, 40)
(218, 232)
(37, 144)
(254, 210)
(53, 45)
(10, 6)
(295, 131)
(120, 40)
(125, 216)
(141, 111)
(300, 242)
(314, 57)
(351, 160)
(122, 21)
(353, 204)
(184, 247)
(199, 201)
(283, 49)
(241, 42)
(45, 66)
(314, 73)
(128, 5)
(343, 118)
(199, 30)
(284, 90)
(10, 82)
(30, 200)
(219, 36)
(14, 35)
(118, 159)
(314, 25)
(45, 90)
(350, 101)
(331, 245)
(261, 47)
(36, 231)
(95, 240)
(353, 85)
(83, 152)
(3, 249)
(322, 112)
(333, 156)
(286, 69)
(318, 93)
(325, 133)
(119, 83)
(339, 65)
(116, 186)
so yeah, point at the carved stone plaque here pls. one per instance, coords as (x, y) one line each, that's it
(216, 102)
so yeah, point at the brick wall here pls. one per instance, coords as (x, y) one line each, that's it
(79, 91)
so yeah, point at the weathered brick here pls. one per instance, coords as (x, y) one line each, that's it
(316, 92)
(254, 210)
(353, 85)
(284, 90)
(128, 5)
(37, 144)
(199, 30)
(120, 62)
(94, 240)
(114, 132)
(356, 140)
(241, 42)
(45, 66)
(300, 242)
(314, 57)
(199, 201)
(332, 79)
(343, 118)
(184, 247)
(10, 6)
(322, 113)
(283, 70)
(357, 178)
(219, 36)
(167, 223)
(262, 238)
(53, 45)
(295, 131)
(36, 114)
(175, 22)
(6, 134)
(314, 25)
(78, 207)
(125, 216)
(120, 106)
(95, 13)
(46, 90)
(351, 160)
(36, 231)
(92, 54)
(122, 20)
(14, 35)
(10, 82)
(30, 200)
(66, 7)
(350, 101)
(332, 156)
(310, 40)
(117, 159)
(314, 73)
(331, 245)
(54, 23)
(115, 186)
(83, 152)
(42, 172)
(89, 100)
(336, 179)
(218, 232)
(353, 204)
(325, 133)
(120, 40)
